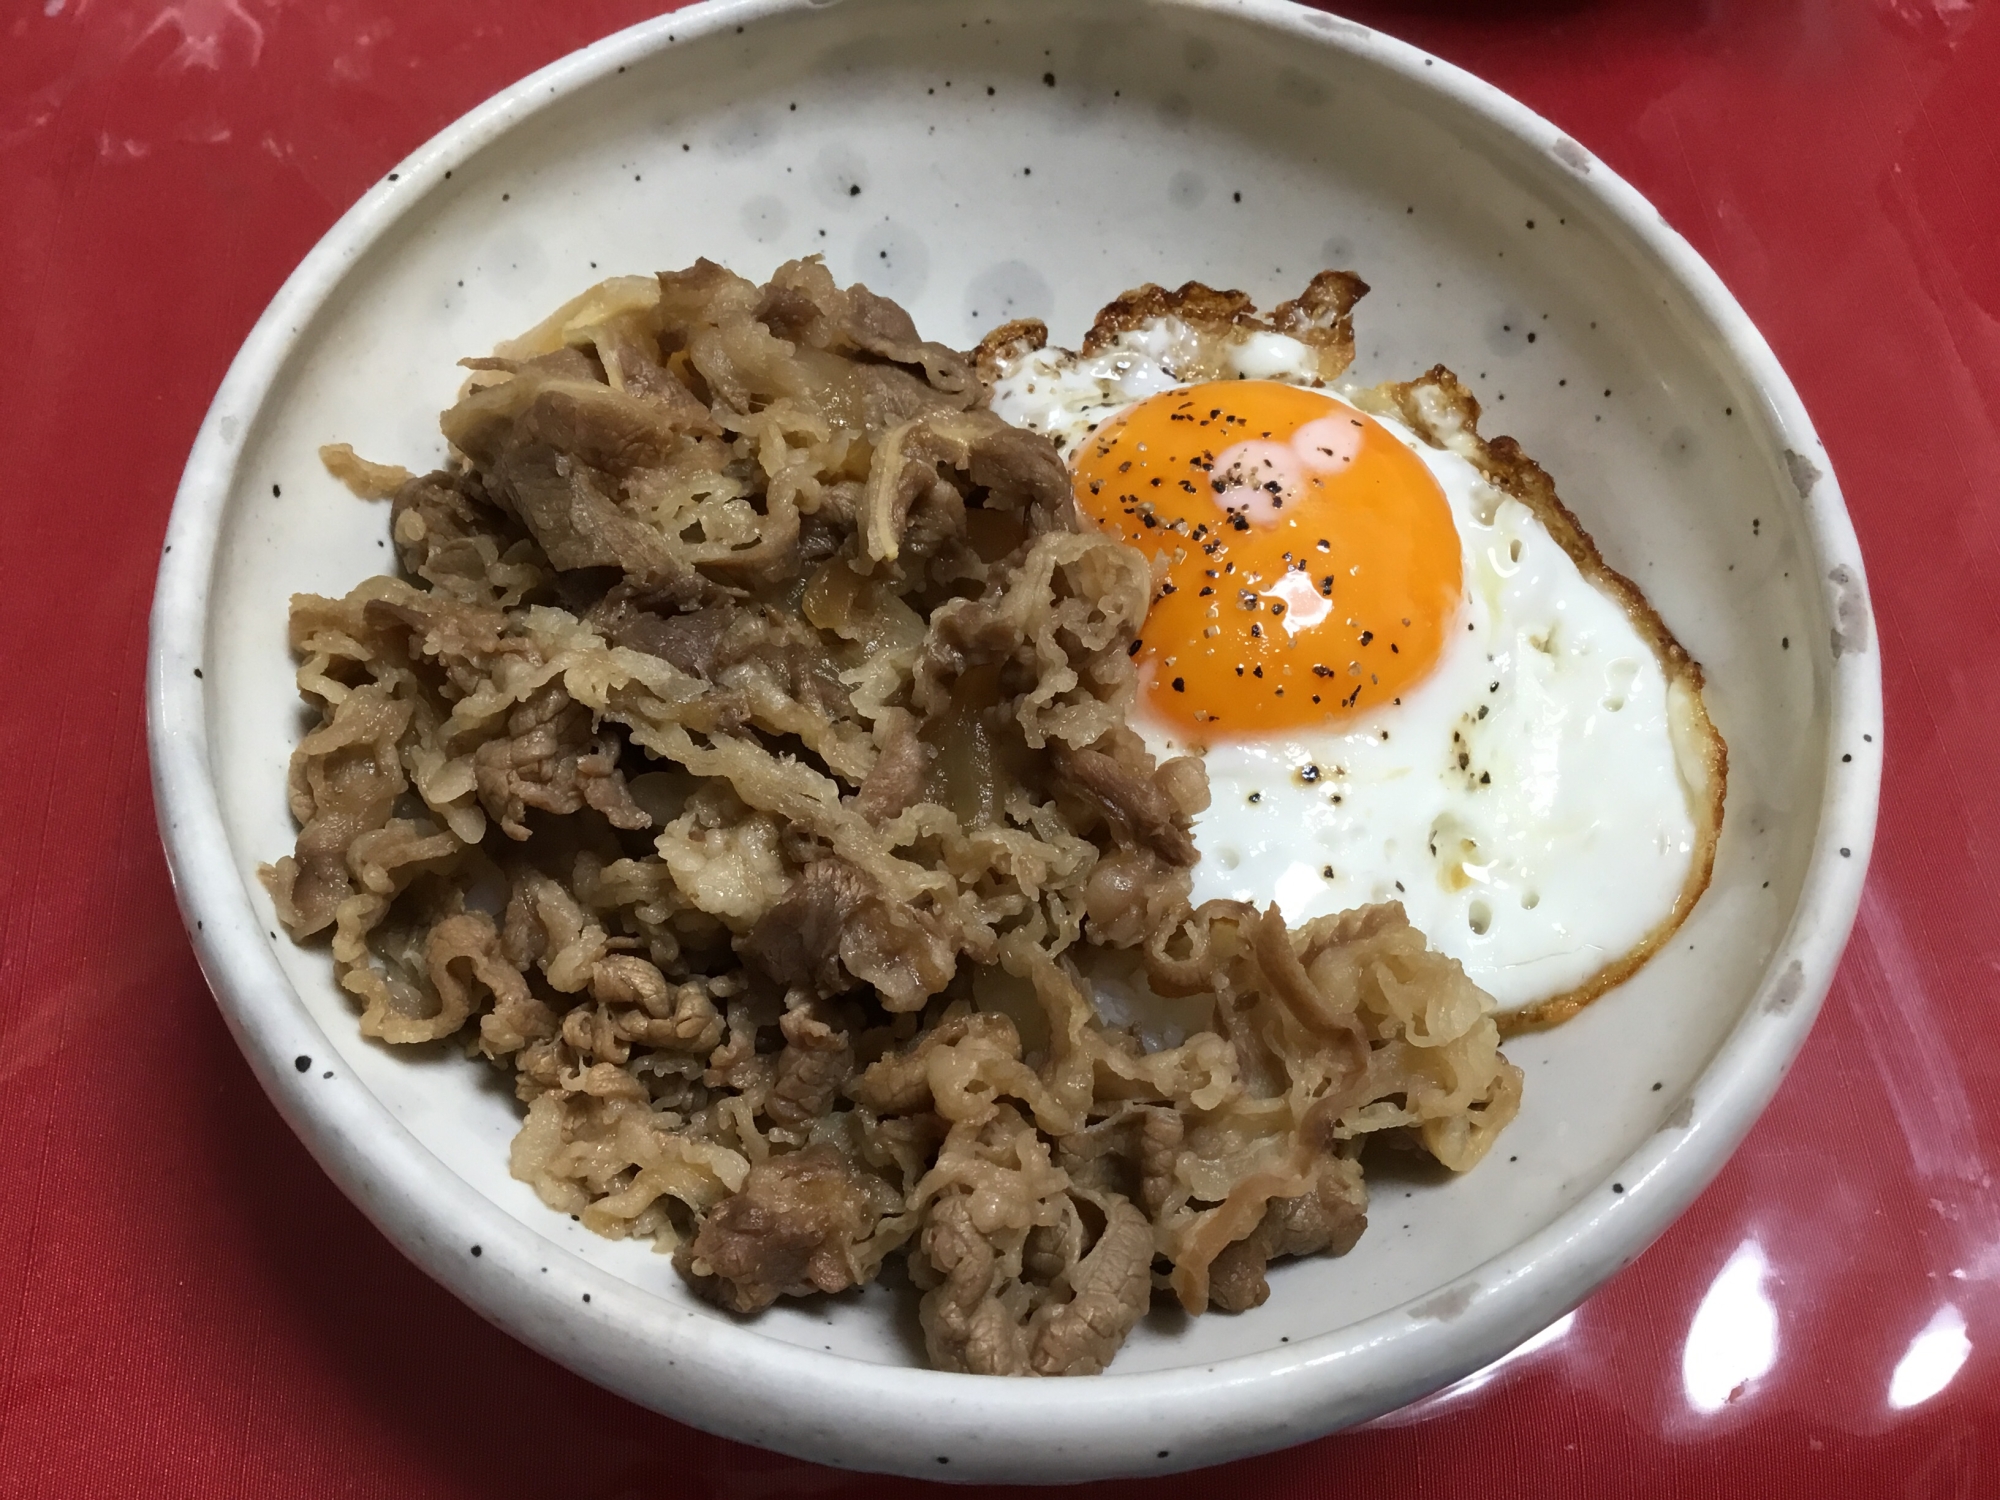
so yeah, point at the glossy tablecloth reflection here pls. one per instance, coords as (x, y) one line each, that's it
(187, 1307)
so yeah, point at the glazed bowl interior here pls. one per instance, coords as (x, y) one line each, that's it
(1033, 159)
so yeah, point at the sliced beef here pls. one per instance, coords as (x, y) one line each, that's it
(687, 640)
(1139, 811)
(1326, 1219)
(570, 510)
(797, 942)
(792, 1230)
(609, 429)
(439, 521)
(790, 313)
(898, 777)
(1026, 472)
(345, 778)
(1016, 470)
(551, 758)
(814, 1065)
(788, 652)
(967, 1328)
(565, 363)
(1109, 1291)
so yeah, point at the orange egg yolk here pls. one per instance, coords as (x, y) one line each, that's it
(1311, 563)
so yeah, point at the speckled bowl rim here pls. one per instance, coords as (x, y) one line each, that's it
(731, 1379)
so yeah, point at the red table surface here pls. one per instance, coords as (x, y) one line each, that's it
(188, 1307)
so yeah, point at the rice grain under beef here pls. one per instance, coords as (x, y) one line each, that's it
(740, 761)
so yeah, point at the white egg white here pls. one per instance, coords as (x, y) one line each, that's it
(1525, 801)
(1067, 395)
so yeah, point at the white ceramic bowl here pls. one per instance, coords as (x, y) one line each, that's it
(1033, 159)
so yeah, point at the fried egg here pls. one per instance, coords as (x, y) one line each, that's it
(1404, 685)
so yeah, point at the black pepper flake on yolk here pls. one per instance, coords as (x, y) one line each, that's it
(1320, 476)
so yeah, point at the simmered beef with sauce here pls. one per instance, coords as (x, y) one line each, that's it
(739, 760)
